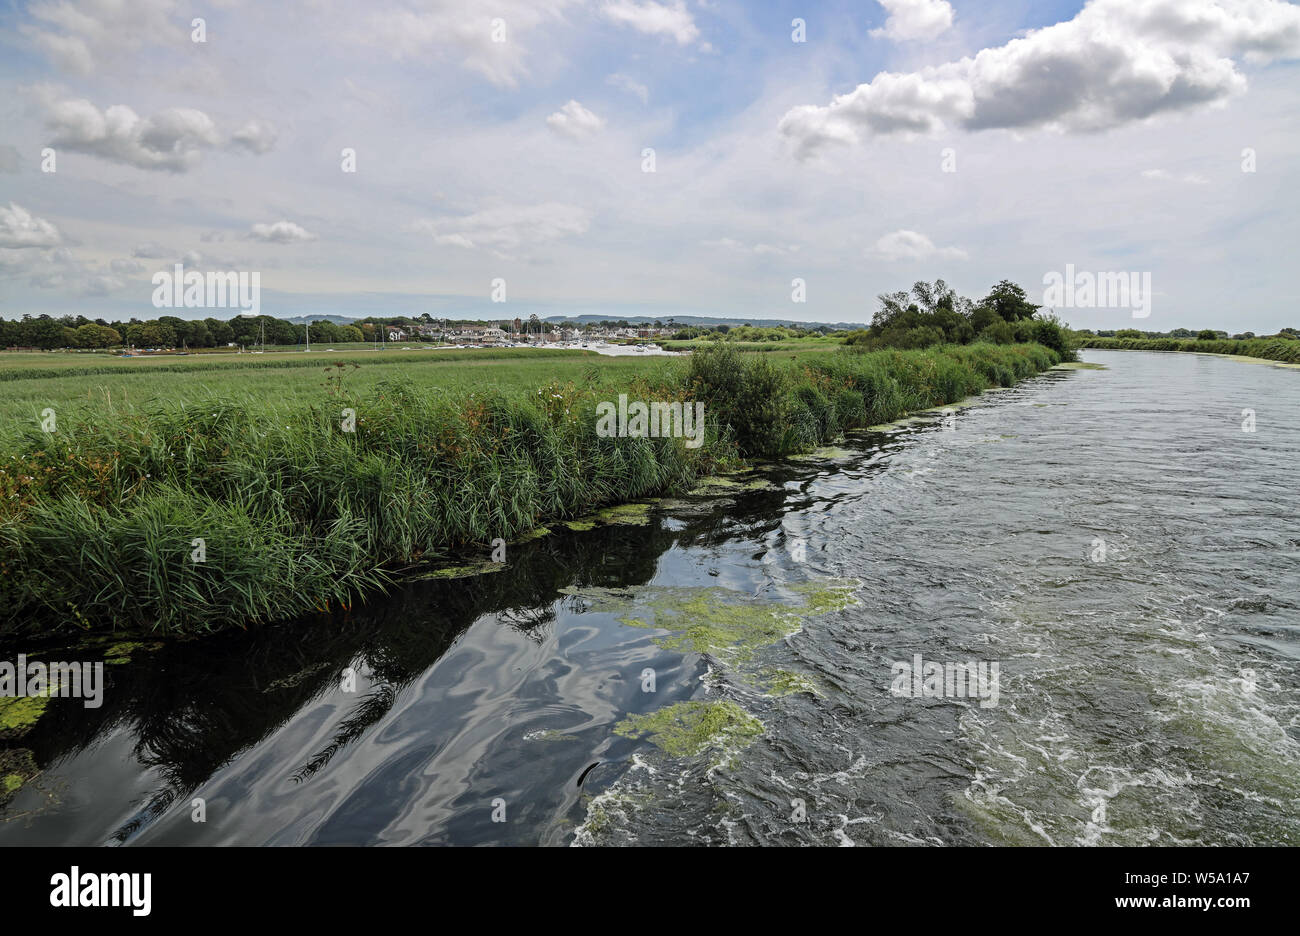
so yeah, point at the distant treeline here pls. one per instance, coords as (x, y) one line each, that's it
(1204, 334)
(168, 331)
(749, 332)
(1285, 349)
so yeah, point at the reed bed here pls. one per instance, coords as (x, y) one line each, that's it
(1284, 350)
(191, 516)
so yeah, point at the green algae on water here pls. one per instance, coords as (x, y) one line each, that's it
(826, 596)
(17, 766)
(549, 734)
(608, 809)
(294, 680)
(711, 620)
(718, 484)
(779, 683)
(718, 620)
(18, 715)
(122, 651)
(825, 453)
(635, 514)
(689, 728)
(534, 534)
(482, 567)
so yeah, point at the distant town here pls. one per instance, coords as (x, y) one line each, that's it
(247, 331)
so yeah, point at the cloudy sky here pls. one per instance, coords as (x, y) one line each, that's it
(903, 139)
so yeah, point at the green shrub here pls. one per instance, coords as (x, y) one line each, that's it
(1000, 332)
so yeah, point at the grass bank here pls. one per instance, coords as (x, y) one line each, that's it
(190, 515)
(1267, 349)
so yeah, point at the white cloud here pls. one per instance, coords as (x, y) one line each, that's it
(911, 245)
(19, 228)
(655, 19)
(150, 250)
(727, 243)
(915, 19)
(14, 261)
(78, 35)
(574, 121)
(463, 30)
(630, 85)
(60, 269)
(126, 267)
(10, 159)
(1190, 178)
(170, 140)
(256, 136)
(281, 232)
(1116, 62)
(508, 227)
(99, 284)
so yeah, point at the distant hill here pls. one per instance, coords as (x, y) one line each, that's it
(686, 320)
(336, 319)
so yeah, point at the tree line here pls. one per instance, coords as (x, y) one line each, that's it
(168, 331)
(933, 313)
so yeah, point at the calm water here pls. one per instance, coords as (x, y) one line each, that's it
(1112, 539)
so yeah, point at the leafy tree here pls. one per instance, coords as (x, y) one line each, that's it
(982, 316)
(1010, 301)
(152, 334)
(97, 336)
(43, 332)
(999, 332)
(221, 332)
(196, 335)
(892, 306)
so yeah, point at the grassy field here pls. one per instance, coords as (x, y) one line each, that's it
(248, 464)
(30, 382)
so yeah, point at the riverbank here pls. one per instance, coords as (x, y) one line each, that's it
(1280, 350)
(190, 517)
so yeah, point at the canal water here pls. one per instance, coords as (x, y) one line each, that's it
(1120, 546)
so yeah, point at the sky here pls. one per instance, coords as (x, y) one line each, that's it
(805, 157)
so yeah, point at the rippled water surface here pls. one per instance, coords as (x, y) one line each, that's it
(1112, 539)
